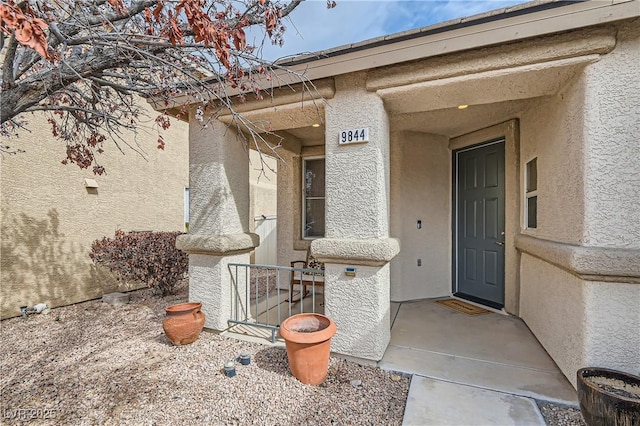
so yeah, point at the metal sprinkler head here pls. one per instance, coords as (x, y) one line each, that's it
(230, 368)
(245, 358)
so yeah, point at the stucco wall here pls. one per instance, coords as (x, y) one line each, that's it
(552, 303)
(552, 131)
(612, 325)
(581, 323)
(49, 219)
(612, 120)
(286, 201)
(360, 307)
(583, 137)
(357, 175)
(420, 190)
(357, 221)
(586, 142)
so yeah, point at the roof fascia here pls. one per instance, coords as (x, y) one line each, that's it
(435, 42)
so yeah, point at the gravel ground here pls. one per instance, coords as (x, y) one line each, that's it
(93, 363)
(560, 415)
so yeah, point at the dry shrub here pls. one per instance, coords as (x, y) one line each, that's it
(147, 257)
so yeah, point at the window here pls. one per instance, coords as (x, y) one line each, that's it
(313, 198)
(531, 194)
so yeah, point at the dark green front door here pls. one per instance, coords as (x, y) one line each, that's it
(479, 224)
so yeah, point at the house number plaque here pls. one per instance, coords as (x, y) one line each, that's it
(354, 136)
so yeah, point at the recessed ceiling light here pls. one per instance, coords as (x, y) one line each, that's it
(315, 125)
(463, 106)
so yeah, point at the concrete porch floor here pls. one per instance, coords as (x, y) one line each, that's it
(484, 369)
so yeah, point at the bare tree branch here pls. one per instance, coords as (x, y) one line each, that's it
(85, 62)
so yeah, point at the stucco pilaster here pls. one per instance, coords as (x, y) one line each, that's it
(612, 151)
(219, 218)
(360, 308)
(210, 282)
(218, 179)
(357, 175)
(357, 221)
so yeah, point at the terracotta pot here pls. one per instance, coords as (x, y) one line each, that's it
(608, 397)
(308, 341)
(183, 322)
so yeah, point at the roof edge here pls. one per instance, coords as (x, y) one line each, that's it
(454, 24)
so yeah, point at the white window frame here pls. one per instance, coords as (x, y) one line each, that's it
(304, 199)
(530, 194)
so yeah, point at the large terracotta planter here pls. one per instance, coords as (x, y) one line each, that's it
(183, 322)
(609, 397)
(308, 342)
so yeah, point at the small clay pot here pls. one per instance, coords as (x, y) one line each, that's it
(183, 322)
(308, 341)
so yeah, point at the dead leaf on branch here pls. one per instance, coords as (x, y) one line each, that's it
(270, 20)
(9, 16)
(29, 30)
(157, 11)
(119, 6)
(239, 39)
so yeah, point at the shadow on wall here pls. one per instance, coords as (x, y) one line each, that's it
(40, 264)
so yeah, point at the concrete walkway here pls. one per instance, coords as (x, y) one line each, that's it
(485, 369)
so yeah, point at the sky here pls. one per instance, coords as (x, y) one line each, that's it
(312, 27)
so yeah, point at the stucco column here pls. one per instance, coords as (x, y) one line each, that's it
(357, 222)
(219, 219)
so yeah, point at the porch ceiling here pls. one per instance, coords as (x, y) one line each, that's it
(431, 106)
(309, 135)
(523, 82)
(452, 122)
(449, 122)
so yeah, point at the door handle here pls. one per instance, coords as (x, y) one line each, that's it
(500, 243)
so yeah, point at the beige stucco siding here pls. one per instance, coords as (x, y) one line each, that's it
(357, 176)
(586, 141)
(287, 200)
(552, 131)
(612, 120)
(581, 323)
(612, 325)
(420, 190)
(357, 209)
(552, 303)
(49, 219)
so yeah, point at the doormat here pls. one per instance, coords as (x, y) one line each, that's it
(465, 308)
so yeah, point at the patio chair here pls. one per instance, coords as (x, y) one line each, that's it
(304, 279)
